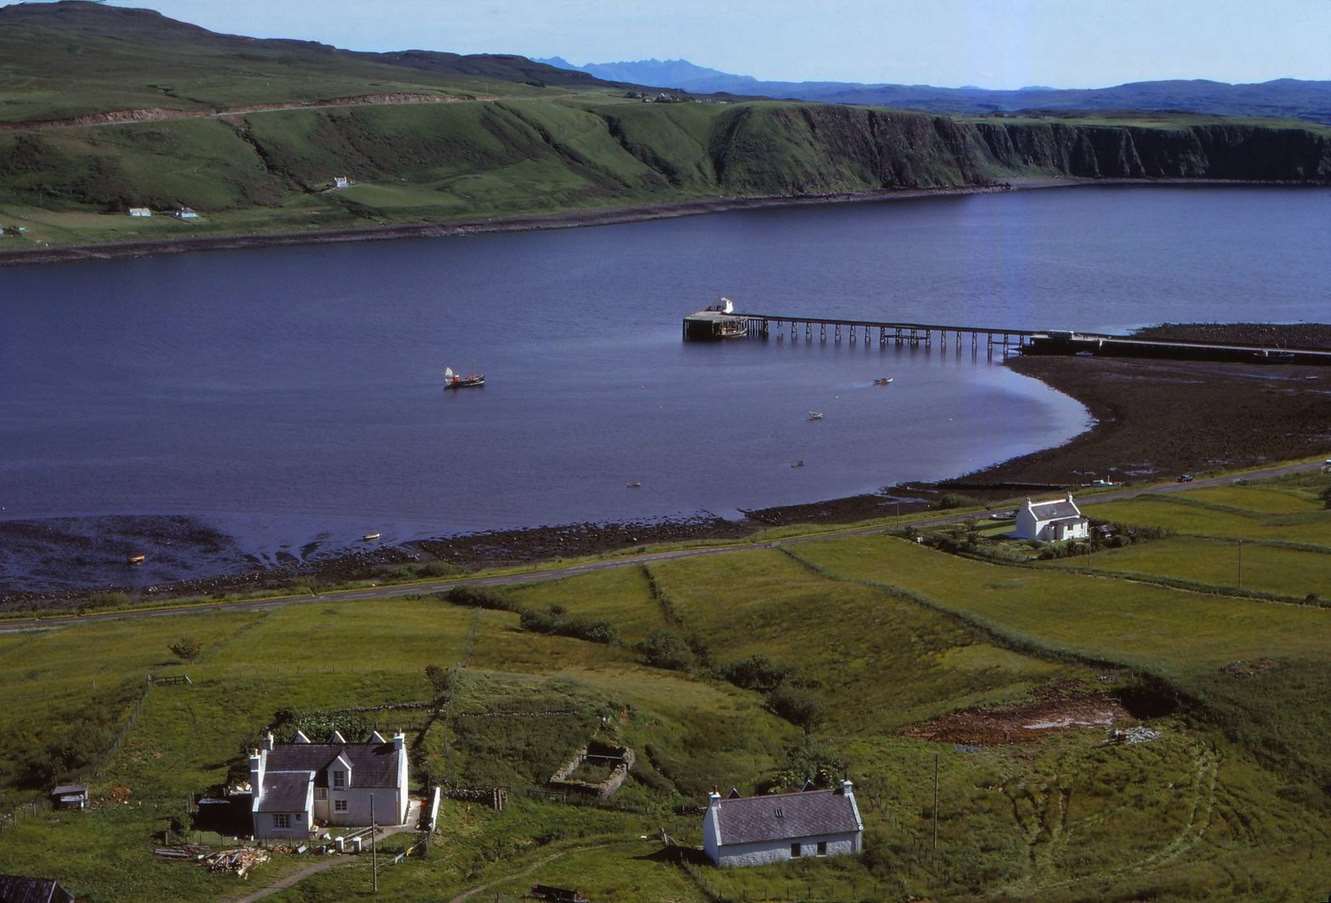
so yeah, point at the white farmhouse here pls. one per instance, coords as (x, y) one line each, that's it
(757, 830)
(341, 181)
(140, 211)
(300, 784)
(1052, 521)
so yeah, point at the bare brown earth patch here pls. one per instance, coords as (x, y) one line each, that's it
(1022, 723)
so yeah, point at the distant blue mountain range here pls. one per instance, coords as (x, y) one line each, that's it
(1282, 98)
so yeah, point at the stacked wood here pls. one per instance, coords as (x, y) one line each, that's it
(184, 851)
(239, 861)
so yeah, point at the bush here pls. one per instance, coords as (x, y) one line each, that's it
(554, 623)
(807, 761)
(472, 597)
(796, 705)
(666, 649)
(956, 500)
(442, 679)
(756, 672)
(186, 648)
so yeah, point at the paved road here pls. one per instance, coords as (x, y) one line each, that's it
(398, 590)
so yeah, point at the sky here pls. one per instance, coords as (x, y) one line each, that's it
(989, 43)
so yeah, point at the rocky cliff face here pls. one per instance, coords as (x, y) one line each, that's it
(816, 149)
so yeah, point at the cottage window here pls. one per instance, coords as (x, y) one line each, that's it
(339, 805)
(822, 848)
(339, 779)
(794, 851)
(321, 793)
(281, 820)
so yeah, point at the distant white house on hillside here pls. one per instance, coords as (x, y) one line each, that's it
(296, 785)
(341, 181)
(1055, 520)
(185, 213)
(758, 830)
(140, 211)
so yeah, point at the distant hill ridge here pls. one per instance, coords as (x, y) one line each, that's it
(1281, 98)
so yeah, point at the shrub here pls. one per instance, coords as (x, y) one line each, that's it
(554, 623)
(807, 761)
(186, 648)
(474, 597)
(666, 649)
(438, 569)
(756, 672)
(796, 705)
(442, 679)
(956, 500)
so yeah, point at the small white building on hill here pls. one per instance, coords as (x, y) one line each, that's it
(1056, 520)
(296, 785)
(758, 830)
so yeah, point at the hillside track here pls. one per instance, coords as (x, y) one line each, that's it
(366, 594)
(160, 114)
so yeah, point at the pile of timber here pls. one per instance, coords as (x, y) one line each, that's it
(239, 861)
(184, 851)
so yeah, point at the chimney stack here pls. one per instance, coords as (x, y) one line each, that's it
(257, 759)
(399, 740)
(714, 800)
(268, 741)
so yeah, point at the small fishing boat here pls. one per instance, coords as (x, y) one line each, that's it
(371, 537)
(136, 558)
(633, 484)
(815, 415)
(458, 381)
(799, 463)
(883, 381)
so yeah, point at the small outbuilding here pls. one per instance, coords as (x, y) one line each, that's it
(22, 889)
(140, 211)
(70, 796)
(1057, 520)
(758, 830)
(186, 213)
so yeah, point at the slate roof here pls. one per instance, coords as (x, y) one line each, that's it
(372, 764)
(783, 816)
(21, 889)
(285, 791)
(69, 789)
(1058, 509)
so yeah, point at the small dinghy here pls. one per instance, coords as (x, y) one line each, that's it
(883, 381)
(633, 484)
(815, 415)
(136, 558)
(371, 537)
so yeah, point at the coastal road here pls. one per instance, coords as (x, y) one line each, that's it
(370, 593)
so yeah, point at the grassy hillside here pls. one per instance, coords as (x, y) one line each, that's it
(869, 656)
(103, 109)
(71, 59)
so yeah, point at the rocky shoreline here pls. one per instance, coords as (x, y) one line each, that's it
(1154, 419)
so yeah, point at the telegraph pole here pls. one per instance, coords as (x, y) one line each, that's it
(1240, 564)
(374, 849)
(935, 803)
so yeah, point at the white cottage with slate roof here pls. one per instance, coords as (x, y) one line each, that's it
(1052, 521)
(757, 830)
(300, 784)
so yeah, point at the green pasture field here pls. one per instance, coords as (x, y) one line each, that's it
(1219, 563)
(818, 655)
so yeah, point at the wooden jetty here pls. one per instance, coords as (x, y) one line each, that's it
(699, 327)
(713, 324)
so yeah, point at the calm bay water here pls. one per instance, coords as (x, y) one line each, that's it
(293, 392)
